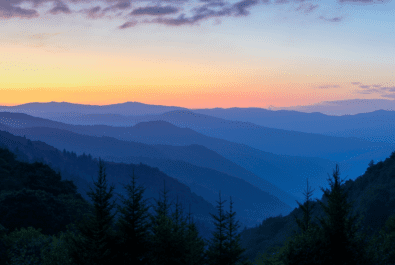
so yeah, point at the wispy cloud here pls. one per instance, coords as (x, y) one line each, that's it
(60, 7)
(154, 10)
(335, 19)
(128, 24)
(329, 86)
(174, 12)
(370, 89)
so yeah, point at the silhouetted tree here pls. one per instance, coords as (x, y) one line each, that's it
(233, 250)
(96, 241)
(342, 243)
(195, 245)
(217, 250)
(179, 235)
(161, 227)
(133, 227)
(303, 248)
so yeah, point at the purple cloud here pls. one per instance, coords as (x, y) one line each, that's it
(311, 8)
(364, 86)
(355, 83)
(128, 25)
(9, 11)
(391, 89)
(363, 1)
(329, 86)
(308, 8)
(202, 9)
(335, 19)
(243, 5)
(388, 95)
(60, 7)
(93, 12)
(154, 10)
(200, 14)
(120, 5)
(368, 91)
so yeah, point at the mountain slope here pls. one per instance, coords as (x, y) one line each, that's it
(372, 196)
(376, 126)
(264, 165)
(82, 170)
(111, 149)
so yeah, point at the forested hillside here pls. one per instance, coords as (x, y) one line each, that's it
(371, 198)
(44, 220)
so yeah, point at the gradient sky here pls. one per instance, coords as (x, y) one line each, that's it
(196, 53)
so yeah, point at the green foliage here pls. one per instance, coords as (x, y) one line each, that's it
(35, 208)
(381, 246)
(268, 258)
(58, 254)
(26, 246)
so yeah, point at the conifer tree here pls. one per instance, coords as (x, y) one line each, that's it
(179, 235)
(195, 252)
(95, 242)
(233, 251)
(302, 248)
(216, 250)
(343, 245)
(162, 228)
(133, 227)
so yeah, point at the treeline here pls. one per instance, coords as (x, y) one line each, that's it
(64, 229)
(136, 238)
(337, 239)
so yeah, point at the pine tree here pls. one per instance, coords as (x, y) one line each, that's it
(233, 251)
(195, 253)
(96, 239)
(162, 228)
(303, 248)
(307, 209)
(216, 250)
(179, 235)
(342, 243)
(133, 227)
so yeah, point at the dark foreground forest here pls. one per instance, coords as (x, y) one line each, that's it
(44, 220)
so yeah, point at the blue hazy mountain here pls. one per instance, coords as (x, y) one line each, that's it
(60, 108)
(257, 165)
(376, 126)
(251, 203)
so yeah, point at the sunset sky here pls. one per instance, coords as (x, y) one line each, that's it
(196, 54)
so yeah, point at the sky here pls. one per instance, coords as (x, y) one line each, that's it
(196, 53)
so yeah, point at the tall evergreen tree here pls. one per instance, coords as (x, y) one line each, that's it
(96, 240)
(307, 209)
(303, 248)
(133, 227)
(233, 250)
(342, 243)
(162, 228)
(217, 249)
(179, 235)
(195, 252)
